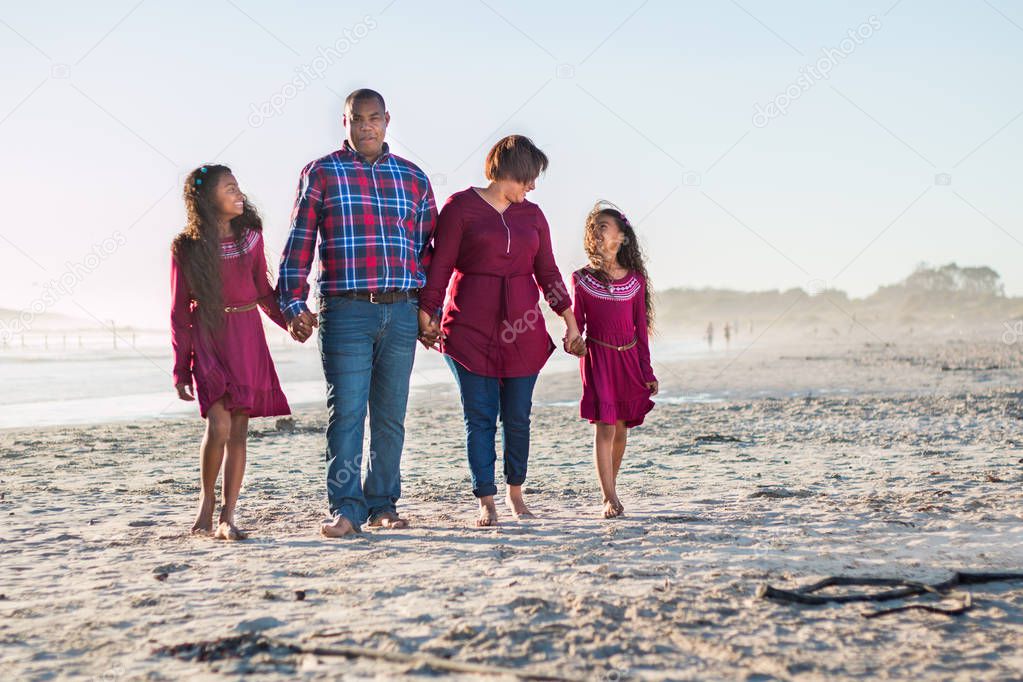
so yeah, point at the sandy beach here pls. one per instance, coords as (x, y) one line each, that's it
(785, 464)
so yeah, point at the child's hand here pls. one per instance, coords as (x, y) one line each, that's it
(653, 386)
(578, 347)
(184, 391)
(570, 342)
(301, 328)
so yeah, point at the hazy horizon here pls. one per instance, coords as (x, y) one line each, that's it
(901, 153)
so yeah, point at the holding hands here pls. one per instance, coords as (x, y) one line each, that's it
(301, 327)
(430, 333)
(575, 345)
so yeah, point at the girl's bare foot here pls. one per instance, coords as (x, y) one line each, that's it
(226, 530)
(203, 518)
(488, 513)
(338, 528)
(613, 508)
(513, 498)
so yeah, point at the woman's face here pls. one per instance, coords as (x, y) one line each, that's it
(228, 198)
(515, 191)
(611, 238)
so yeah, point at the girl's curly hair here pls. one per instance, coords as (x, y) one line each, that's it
(630, 255)
(197, 247)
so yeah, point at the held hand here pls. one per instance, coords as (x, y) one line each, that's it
(654, 387)
(429, 330)
(573, 342)
(184, 391)
(301, 328)
(579, 348)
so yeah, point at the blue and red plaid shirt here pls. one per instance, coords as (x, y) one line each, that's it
(374, 222)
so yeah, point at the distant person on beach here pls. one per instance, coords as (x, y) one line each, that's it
(709, 335)
(728, 334)
(371, 214)
(497, 244)
(613, 306)
(219, 281)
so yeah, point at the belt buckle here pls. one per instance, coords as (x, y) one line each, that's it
(373, 297)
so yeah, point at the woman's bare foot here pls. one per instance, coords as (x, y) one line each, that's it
(388, 520)
(226, 530)
(513, 498)
(203, 518)
(338, 528)
(488, 513)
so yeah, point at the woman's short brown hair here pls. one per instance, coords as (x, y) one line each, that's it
(515, 158)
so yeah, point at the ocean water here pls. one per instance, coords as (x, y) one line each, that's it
(64, 384)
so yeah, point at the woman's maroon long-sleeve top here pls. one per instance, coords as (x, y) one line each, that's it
(500, 261)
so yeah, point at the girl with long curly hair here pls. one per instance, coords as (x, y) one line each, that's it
(613, 307)
(219, 281)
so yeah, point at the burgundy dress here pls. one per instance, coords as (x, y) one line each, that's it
(493, 323)
(614, 381)
(234, 364)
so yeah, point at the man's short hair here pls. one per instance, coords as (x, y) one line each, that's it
(363, 94)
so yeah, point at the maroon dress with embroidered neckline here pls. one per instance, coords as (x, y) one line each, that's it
(614, 381)
(232, 364)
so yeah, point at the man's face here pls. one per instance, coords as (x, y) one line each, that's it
(366, 124)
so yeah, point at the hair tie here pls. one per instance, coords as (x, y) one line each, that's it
(198, 181)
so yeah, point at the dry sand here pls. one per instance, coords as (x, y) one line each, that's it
(900, 461)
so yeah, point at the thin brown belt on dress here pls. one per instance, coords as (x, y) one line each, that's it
(630, 344)
(240, 308)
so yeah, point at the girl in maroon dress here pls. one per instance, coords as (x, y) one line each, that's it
(613, 308)
(218, 284)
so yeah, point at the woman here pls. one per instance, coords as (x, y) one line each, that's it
(498, 246)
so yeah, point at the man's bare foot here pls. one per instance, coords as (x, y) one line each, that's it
(226, 530)
(338, 528)
(513, 498)
(203, 518)
(388, 520)
(488, 513)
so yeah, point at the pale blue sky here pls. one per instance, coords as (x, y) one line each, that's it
(106, 105)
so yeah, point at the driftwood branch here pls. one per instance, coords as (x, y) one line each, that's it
(901, 589)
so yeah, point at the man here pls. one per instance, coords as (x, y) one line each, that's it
(374, 215)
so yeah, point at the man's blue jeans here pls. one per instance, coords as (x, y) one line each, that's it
(484, 399)
(367, 351)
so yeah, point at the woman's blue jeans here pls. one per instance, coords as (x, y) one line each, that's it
(484, 400)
